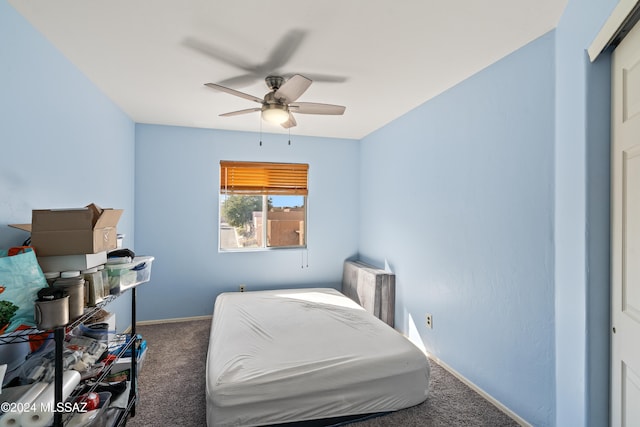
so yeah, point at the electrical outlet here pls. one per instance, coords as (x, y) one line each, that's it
(242, 288)
(429, 321)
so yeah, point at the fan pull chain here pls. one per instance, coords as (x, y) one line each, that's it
(289, 136)
(260, 131)
(306, 243)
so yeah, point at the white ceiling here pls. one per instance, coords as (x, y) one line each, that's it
(395, 55)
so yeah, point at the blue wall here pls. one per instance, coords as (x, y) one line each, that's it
(177, 182)
(582, 218)
(506, 193)
(62, 142)
(457, 197)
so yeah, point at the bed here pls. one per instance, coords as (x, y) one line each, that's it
(297, 355)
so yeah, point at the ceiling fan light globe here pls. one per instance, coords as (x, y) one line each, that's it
(275, 114)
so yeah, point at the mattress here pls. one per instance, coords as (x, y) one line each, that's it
(305, 354)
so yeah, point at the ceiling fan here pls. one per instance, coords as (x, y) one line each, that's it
(279, 105)
(277, 58)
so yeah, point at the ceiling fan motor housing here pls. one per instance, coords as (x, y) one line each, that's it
(270, 98)
(274, 82)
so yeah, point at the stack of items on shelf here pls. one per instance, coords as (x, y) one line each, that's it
(95, 382)
(80, 254)
(72, 247)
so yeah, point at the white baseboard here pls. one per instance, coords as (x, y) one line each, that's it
(174, 320)
(481, 392)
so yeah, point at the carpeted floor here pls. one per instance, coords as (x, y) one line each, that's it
(172, 389)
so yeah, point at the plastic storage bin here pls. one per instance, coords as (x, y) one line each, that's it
(126, 275)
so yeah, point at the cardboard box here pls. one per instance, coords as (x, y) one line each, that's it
(71, 262)
(87, 230)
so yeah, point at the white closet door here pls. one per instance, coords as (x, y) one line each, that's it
(625, 351)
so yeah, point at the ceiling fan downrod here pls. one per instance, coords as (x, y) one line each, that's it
(274, 82)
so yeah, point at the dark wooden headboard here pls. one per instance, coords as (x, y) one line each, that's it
(374, 289)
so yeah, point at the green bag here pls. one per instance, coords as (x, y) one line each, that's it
(20, 280)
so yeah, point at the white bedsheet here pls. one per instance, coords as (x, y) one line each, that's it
(303, 354)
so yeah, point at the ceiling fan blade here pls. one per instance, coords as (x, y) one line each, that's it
(289, 123)
(316, 108)
(237, 113)
(240, 81)
(326, 78)
(234, 92)
(219, 54)
(285, 49)
(293, 88)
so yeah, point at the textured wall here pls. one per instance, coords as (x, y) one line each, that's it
(62, 142)
(581, 218)
(457, 198)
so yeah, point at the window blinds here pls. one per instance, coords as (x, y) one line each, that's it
(263, 178)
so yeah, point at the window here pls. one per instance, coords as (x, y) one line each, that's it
(262, 205)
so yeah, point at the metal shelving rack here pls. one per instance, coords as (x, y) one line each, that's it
(34, 334)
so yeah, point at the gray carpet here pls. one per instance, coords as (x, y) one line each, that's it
(172, 389)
